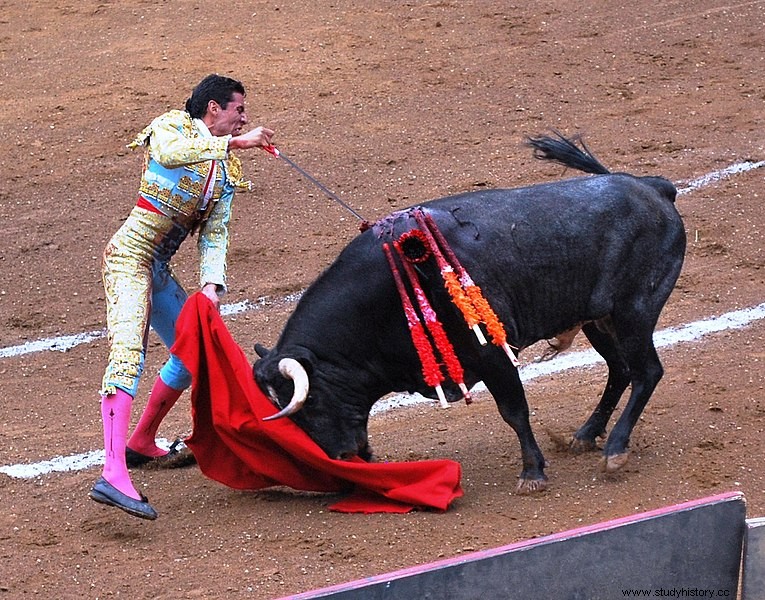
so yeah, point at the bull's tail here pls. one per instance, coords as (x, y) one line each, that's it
(565, 151)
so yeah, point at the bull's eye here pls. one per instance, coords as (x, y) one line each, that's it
(273, 397)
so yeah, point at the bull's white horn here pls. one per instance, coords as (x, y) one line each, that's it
(293, 370)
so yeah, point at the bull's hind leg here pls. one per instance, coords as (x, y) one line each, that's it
(645, 373)
(505, 385)
(618, 380)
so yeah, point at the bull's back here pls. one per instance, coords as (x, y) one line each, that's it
(566, 218)
(616, 194)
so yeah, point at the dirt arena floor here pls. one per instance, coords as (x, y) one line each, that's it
(389, 104)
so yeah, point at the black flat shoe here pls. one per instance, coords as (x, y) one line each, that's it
(105, 493)
(135, 459)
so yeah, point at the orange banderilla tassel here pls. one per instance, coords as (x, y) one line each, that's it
(471, 290)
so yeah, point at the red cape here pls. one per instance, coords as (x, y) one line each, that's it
(233, 446)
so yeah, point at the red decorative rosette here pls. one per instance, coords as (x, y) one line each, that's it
(414, 246)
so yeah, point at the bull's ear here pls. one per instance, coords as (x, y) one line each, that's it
(306, 358)
(261, 350)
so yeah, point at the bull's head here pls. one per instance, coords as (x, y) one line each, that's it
(323, 409)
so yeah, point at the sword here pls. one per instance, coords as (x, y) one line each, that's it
(271, 149)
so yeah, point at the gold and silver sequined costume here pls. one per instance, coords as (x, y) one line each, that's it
(188, 183)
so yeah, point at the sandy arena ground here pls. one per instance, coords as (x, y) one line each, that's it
(389, 104)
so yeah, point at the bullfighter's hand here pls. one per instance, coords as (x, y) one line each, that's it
(210, 290)
(256, 138)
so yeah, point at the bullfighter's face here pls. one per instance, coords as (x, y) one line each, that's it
(229, 120)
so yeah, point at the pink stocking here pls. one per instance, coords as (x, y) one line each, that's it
(161, 400)
(115, 414)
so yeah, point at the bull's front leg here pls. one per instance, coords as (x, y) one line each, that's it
(511, 401)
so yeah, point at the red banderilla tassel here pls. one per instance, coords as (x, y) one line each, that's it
(431, 372)
(436, 328)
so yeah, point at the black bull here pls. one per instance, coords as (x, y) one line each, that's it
(601, 252)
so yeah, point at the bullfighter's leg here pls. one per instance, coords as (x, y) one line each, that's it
(127, 286)
(167, 300)
(505, 385)
(141, 446)
(618, 380)
(646, 371)
(115, 413)
(114, 487)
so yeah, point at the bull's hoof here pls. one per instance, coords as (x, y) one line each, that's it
(548, 354)
(611, 464)
(531, 486)
(578, 446)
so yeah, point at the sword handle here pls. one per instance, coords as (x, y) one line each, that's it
(271, 149)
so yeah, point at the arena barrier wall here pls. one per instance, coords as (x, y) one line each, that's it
(688, 550)
(753, 571)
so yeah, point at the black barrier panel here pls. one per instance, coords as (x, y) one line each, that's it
(682, 551)
(753, 582)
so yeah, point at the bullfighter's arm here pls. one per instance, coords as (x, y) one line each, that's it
(213, 245)
(174, 141)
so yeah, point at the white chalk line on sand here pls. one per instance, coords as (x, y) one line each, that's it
(667, 337)
(710, 178)
(693, 331)
(67, 342)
